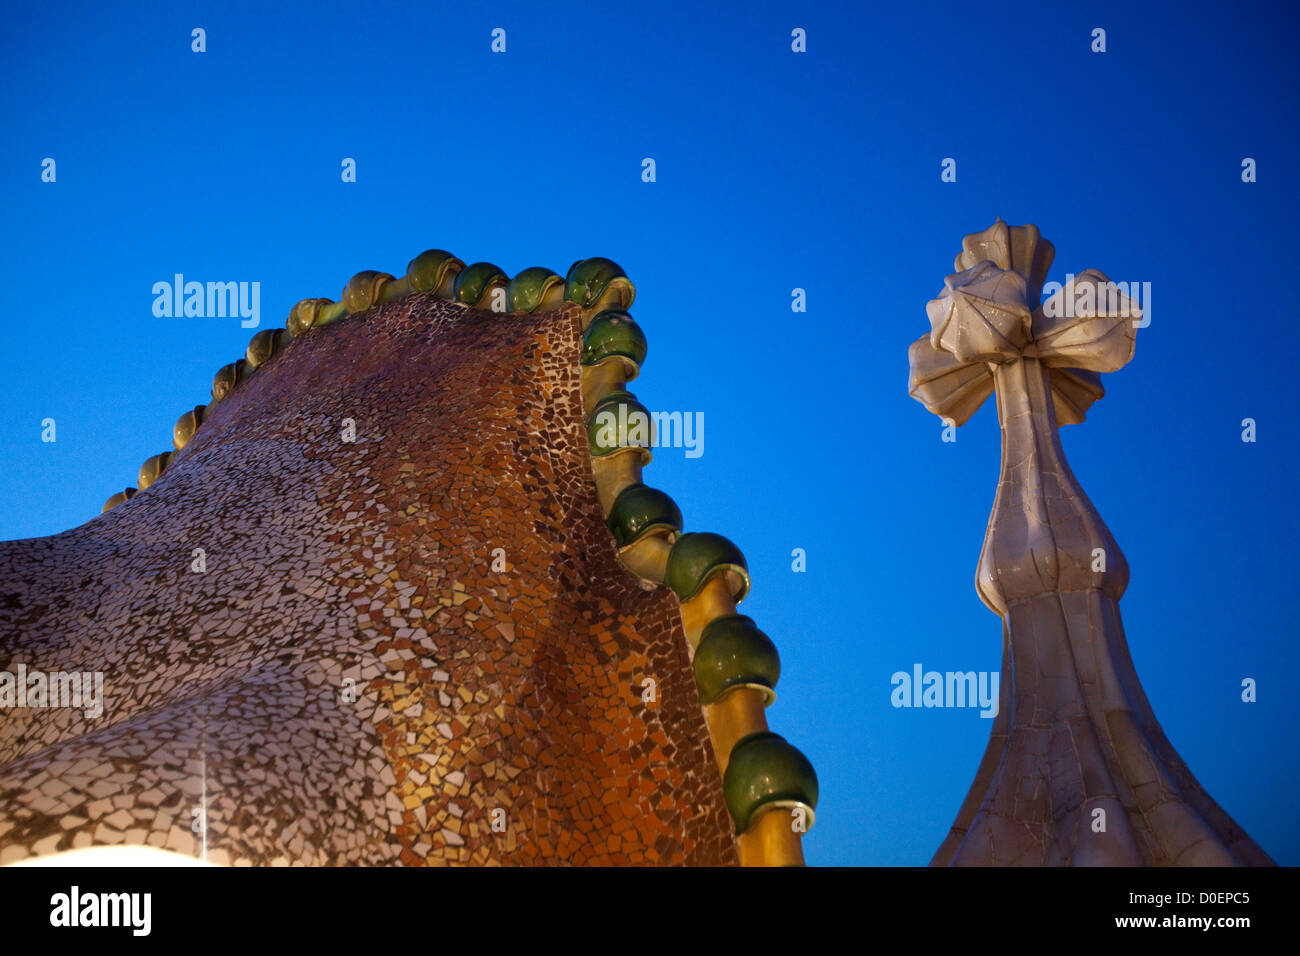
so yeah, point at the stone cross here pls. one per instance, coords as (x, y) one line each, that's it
(1077, 769)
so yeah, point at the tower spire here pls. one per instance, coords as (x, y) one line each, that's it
(1077, 769)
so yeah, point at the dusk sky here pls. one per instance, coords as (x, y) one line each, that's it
(775, 170)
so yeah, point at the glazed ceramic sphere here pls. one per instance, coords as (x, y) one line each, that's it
(187, 425)
(589, 279)
(528, 289)
(431, 271)
(605, 431)
(640, 510)
(475, 281)
(613, 334)
(264, 346)
(152, 468)
(764, 773)
(304, 315)
(734, 653)
(697, 557)
(227, 377)
(362, 290)
(118, 498)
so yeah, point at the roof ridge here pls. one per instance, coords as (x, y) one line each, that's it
(736, 665)
(479, 285)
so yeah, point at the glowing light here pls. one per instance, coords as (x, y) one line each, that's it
(114, 856)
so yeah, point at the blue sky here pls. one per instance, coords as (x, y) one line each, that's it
(775, 170)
